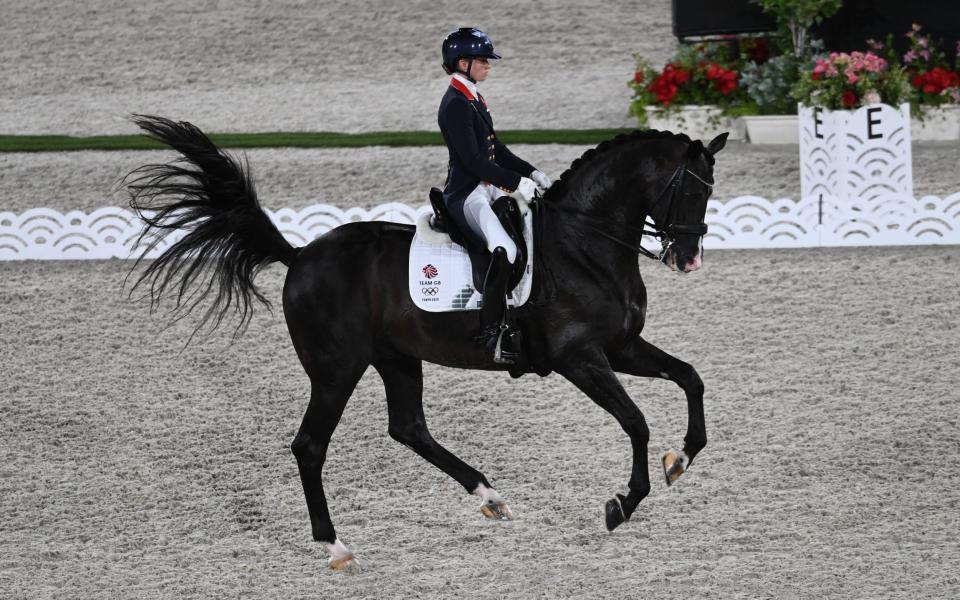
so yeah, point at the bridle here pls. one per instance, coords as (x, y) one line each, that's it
(666, 235)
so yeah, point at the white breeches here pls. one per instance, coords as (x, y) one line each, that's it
(482, 220)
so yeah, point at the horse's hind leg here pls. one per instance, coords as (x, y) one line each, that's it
(643, 359)
(328, 397)
(403, 379)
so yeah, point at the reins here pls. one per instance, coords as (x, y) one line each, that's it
(663, 234)
(582, 216)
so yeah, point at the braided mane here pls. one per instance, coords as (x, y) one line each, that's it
(605, 147)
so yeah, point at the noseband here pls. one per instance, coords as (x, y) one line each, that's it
(666, 235)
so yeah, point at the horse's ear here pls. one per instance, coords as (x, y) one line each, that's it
(717, 143)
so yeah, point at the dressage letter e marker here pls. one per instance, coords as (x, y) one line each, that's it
(871, 122)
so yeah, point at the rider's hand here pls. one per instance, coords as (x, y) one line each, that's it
(526, 189)
(541, 179)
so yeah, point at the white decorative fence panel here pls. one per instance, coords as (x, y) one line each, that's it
(45, 234)
(856, 155)
(754, 222)
(744, 222)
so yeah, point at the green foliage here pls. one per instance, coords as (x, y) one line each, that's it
(803, 12)
(769, 84)
(794, 18)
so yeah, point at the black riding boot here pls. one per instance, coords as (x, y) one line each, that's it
(494, 334)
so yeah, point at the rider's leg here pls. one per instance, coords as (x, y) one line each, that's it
(495, 290)
(483, 221)
(493, 322)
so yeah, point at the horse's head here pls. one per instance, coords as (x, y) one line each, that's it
(679, 209)
(611, 190)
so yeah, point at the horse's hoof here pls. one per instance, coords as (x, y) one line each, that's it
(614, 511)
(673, 465)
(342, 559)
(347, 564)
(496, 510)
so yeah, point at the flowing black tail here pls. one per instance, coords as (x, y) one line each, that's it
(229, 238)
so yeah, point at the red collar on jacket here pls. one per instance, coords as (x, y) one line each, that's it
(461, 87)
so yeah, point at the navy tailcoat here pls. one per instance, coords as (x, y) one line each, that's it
(476, 155)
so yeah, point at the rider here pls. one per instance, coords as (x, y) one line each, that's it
(481, 169)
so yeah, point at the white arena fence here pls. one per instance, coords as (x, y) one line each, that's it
(744, 222)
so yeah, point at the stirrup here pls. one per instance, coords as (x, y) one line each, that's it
(492, 338)
(508, 348)
(501, 356)
(487, 336)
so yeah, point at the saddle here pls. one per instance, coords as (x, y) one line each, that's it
(508, 212)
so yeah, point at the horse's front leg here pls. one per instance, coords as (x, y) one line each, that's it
(592, 374)
(643, 359)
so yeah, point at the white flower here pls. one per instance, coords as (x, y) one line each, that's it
(871, 97)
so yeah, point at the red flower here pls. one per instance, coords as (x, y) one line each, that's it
(727, 85)
(849, 99)
(713, 71)
(944, 79)
(663, 87)
(758, 50)
(666, 85)
(935, 81)
(724, 80)
(815, 76)
(677, 75)
(638, 77)
(664, 90)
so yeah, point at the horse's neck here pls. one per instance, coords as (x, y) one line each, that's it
(607, 187)
(614, 206)
(595, 235)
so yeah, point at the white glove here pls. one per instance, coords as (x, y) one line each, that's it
(526, 189)
(541, 179)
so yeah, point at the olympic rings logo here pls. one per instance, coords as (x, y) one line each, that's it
(429, 291)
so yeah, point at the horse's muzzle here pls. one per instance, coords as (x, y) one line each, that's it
(676, 261)
(693, 264)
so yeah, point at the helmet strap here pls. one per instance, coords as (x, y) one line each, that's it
(467, 73)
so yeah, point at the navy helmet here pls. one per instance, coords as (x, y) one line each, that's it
(466, 42)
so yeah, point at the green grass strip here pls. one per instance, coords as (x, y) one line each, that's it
(323, 139)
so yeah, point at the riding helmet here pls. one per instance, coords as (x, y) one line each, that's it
(466, 42)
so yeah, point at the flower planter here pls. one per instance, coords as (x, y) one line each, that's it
(771, 129)
(855, 156)
(698, 122)
(939, 124)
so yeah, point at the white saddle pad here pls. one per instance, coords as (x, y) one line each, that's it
(441, 279)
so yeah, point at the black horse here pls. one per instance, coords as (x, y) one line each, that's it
(583, 319)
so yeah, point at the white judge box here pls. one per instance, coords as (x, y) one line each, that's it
(859, 156)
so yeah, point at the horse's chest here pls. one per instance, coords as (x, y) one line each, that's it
(617, 319)
(634, 314)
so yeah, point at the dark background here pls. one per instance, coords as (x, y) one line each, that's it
(848, 30)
